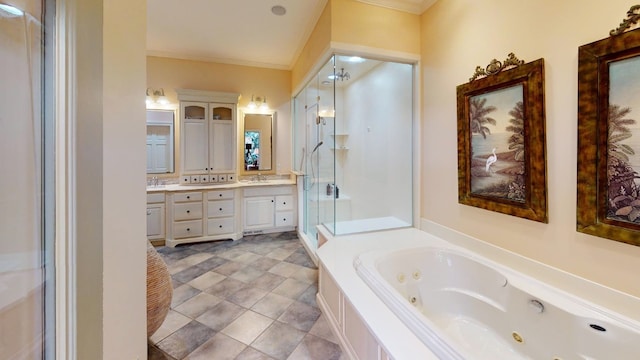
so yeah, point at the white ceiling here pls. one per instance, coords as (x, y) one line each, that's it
(242, 32)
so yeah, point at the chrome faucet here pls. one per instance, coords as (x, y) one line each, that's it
(153, 181)
(259, 177)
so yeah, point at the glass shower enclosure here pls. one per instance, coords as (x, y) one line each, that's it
(353, 143)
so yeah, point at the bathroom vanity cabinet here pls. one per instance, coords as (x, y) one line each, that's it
(269, 209)
(155, 216)
(201, 216)
(207, 136)
(204, 212)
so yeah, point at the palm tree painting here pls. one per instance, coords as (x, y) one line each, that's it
(497, 127)
(623, 161)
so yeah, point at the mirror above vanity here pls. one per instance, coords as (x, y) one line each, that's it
(257, 145)
(160, 141)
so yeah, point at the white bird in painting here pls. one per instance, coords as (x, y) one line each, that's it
(491, 159)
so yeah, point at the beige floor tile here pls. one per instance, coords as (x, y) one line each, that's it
(280, 254)
(272, 305)
(247, 327)
(219, 347)
(206, 280)
(291, 288)
(307, 275)
(172, 322)
(197, 305)
(247, 258)
(285, 269)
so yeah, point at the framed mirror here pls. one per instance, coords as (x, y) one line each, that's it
(160, 141)
(257, 143)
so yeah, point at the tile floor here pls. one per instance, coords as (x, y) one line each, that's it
(253, 298)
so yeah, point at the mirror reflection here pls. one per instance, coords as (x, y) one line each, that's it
(160, 141)
(258, 138)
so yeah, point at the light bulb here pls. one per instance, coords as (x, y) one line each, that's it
(252, 104)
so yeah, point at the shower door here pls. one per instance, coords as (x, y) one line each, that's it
(27, 305)
(312, 173)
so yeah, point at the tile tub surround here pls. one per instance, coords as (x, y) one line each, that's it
(252, 298)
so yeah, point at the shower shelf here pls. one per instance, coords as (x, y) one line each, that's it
(339, 142)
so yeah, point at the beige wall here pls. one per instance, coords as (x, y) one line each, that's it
(171, 74)
(353, 22)
(458, 35)
(316, 46)
(110, 178)
(352, 26)
(124, 196)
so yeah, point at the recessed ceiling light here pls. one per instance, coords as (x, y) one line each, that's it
(278, 10)
(354, 59)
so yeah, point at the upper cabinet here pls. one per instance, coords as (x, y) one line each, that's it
(208, 123)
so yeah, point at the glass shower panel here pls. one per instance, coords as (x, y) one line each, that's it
(26, 204)
(356, 139)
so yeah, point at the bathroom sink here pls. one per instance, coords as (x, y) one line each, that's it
(267, 182)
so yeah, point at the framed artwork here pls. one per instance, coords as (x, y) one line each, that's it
(608, 186)
(501, 139)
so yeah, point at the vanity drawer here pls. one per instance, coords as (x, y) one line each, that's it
(220, 226)
(285, 218)
(185, 229)
(155, 197)
(220, 194)
(188, 196)
(284, 202)
(220, 208)
(187, 211)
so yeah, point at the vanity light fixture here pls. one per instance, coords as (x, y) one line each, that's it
(262, 101)
(156, 97)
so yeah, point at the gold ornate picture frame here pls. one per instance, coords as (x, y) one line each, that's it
(501, 139)
(608, 194)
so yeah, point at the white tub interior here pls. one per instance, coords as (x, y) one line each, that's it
(465, 307)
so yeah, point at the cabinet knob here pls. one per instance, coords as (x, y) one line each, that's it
(188, 229)
(188, 197)
(284, 203)
(219, 195)
(220, 226)
(284, 219)
(220, 209)
(188, 211)
(271, 200)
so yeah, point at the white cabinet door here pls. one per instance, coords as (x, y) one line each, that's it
(155, 221)
(194, 145)
(259, 212)
(195, 137)
(221, 147)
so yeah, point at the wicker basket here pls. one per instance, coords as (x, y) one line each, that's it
(159, 290)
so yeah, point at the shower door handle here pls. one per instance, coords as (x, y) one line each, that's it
(306, 183)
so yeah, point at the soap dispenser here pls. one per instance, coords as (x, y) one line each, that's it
(329, 189)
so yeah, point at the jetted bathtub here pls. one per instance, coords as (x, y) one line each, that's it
(463, 306)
